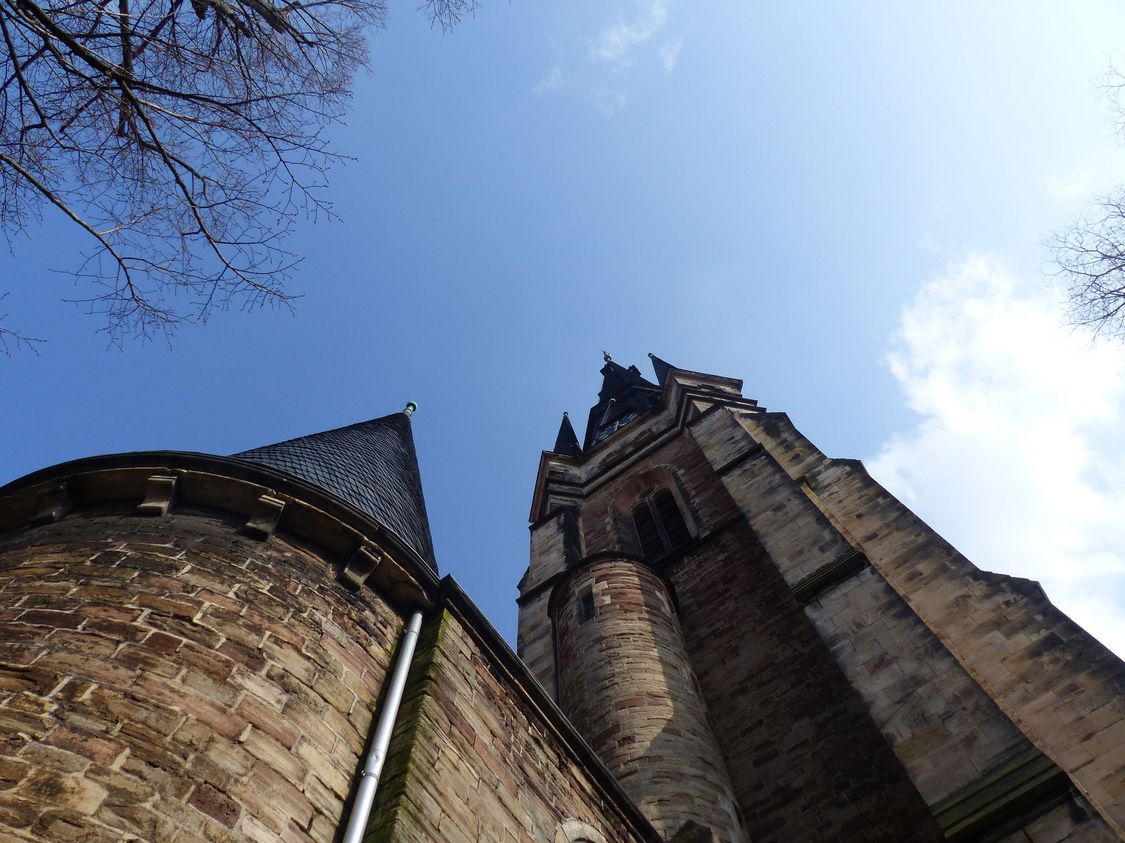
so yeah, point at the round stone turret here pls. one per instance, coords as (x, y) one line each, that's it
(625, 681)
(186, 652)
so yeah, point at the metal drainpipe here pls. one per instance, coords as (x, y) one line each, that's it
(373, 764)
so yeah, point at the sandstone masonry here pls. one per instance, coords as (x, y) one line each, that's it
(725, 636)
(861, 679)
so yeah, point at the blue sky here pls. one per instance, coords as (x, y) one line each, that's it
(844, 205)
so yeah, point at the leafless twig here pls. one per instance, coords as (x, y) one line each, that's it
(184, 137)
(1090, 255)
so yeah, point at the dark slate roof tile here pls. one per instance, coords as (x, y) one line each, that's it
(372, 465)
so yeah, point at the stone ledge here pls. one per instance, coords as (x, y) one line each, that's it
(1020, 789)
(205, 482)
(826, 576)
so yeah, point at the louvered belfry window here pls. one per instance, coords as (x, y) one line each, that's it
(659, 524)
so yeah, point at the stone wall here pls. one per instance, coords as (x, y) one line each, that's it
(806, 760)
(1020, 664)
(189, 655)
(550, 554)
(536, 640)
(1060, 687)
(943, 727)
(172, 680)
(474, 758)
(848, 657)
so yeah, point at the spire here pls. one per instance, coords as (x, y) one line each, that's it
(371, 465)
(660, 367)
(624, 395)
(567, 441)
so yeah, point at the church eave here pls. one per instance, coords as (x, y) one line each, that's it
(213, 482)
(735, 383)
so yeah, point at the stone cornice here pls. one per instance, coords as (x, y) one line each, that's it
(268, 500)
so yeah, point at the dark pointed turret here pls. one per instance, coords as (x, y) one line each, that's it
(660, 368)
(624, 395)
(567, 440)
(371, 465)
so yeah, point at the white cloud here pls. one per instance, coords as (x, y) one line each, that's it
(616, 43)
(609, 102)
(551, 83)
(637, 37)
(669, 53)
(1076, 185)
(1017, 455)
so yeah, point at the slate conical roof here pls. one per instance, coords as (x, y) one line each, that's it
(567, 441)
(371, 465)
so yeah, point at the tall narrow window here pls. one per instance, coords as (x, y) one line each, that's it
(586, 608)
(660, 526)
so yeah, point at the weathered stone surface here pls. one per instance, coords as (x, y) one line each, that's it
(1063, 688)
(175, 727)
(627, 683)
(781, 652)
(902, 679)
(473, 761)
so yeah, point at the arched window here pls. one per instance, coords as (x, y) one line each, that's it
(660, 526)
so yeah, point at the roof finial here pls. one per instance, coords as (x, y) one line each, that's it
(409, 409)
(605, 354)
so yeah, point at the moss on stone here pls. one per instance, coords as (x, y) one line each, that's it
(399, 770)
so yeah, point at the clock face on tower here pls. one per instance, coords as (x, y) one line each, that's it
(612, 427)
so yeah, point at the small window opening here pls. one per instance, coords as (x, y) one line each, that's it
(586, 608)
(660, 526)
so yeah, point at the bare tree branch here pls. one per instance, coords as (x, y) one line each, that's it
(12, 340)
(1090, 255)
(1091, 259)
(448, 13)
(185, 138)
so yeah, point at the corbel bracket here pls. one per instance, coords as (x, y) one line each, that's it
(267, 512)
(361, 565)
(160, 492)
(54, 503)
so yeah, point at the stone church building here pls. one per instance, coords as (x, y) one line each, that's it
(724, 635)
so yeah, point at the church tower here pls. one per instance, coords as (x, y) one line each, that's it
(761, 643)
